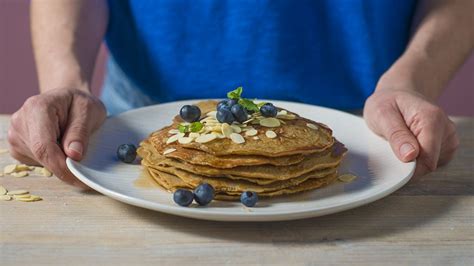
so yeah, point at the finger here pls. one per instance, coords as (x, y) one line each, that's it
(448, 150)
(80, 126)
(393, 127)
(430, 139)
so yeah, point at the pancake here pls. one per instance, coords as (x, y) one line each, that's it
(172, 179)
(294, 137)
(199, 157)
(171, 182)
(310, 163)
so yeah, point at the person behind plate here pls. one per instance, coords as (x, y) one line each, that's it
(391, 58)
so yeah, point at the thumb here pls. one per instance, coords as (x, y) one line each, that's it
(393, 127)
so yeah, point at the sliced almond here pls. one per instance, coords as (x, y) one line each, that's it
(346, 178)
(247, 121)
(270, 122)
(172, 139)
(21, 196)
(9, 169)
(270, 134)
(226, 130)
(17, 192)
(185, 140)
(167, 151)
(237, 138)
(194, 135)
(174, 131)
(3, 190)
(1, 174)
(206, 138)
(256, 138)
(312, 126)
(246, 128)
(251, 132)
(29, 199)
(282, 112)
(5, 197)
(20, 174)
(2, 151)
(46, 172)
(219, 135)
(236, 128)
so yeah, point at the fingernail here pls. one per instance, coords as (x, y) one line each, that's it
(406, 149)
(76, 146)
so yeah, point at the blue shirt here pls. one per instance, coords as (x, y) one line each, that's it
(322, 52)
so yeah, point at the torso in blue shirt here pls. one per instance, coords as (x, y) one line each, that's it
(322, 52)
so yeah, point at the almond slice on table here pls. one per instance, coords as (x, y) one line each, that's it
(20, 174)
(2, 151)
(3, 190)
(17, 192)
(8, 169)
(5, 197)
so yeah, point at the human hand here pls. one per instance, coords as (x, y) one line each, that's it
(53, 125)
(415, 127)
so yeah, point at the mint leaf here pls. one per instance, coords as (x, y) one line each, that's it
(261, 104)
(235, 94)
(248, 104)
(195, 126)
(182, 128)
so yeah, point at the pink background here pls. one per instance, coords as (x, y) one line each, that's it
(18, 77)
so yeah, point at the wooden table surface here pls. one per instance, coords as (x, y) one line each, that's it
(429, 221)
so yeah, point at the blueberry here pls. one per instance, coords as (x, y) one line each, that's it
(249, 198)
(222, 104)
(268, 110)
(224, 115)
(190, 113)
(239, 113)
(127, 153)
(183, 197)
(204, 194)
(227, 103)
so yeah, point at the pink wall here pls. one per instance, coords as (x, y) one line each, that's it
(18, 77)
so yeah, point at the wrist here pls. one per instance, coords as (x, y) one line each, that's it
(414, 73)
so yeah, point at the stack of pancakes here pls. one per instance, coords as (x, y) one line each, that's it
(303, 156)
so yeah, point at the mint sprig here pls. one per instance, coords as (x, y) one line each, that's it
(193, 127)
(235, 94)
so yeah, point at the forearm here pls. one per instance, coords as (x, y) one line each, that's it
(66, 38)
(442, 40)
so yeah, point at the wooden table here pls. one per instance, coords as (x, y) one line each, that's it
(429, 221)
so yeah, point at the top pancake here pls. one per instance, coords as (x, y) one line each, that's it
(294, 137)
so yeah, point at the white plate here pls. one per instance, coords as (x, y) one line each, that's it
(370, 158)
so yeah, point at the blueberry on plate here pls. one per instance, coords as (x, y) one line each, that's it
(249, 198)
(190, 113)
(203, 194)
(268, 110)
(183, 197)
(127, 153)
(224, 115)
(239, 113)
